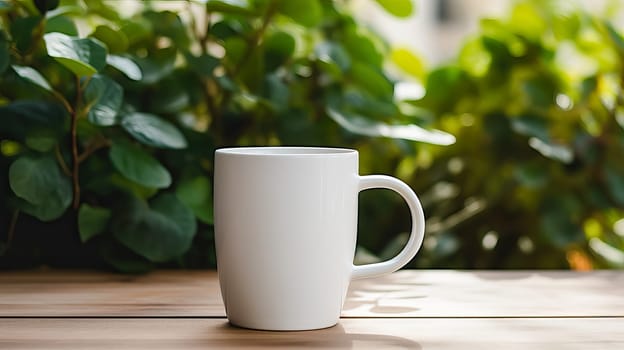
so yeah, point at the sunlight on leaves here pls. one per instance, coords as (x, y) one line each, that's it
(359, 125)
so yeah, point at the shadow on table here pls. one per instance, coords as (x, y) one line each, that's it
(546, 274)
(367, 298)
(333, 337)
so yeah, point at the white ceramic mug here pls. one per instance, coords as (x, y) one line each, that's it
(285, 232)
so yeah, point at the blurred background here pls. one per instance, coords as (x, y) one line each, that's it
(506, 117)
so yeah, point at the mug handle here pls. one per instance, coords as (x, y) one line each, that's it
(416, 236)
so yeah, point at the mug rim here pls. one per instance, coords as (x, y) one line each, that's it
(285, 151)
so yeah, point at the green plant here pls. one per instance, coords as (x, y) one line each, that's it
(534, 99)
(109, 123)
(535, 179)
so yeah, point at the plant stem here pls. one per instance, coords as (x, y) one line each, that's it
(11, 231)
(74, 147)
(252, 45)
(57, 150)
(255, 38)
(207, 83)
(92, 147)
(61, 161)
(63, 101)
(210, 99)
(202, 38)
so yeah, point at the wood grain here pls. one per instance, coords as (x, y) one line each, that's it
(430, 334)
(88, 293)
(446, 293)
(407, 293)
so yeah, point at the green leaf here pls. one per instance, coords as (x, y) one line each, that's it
(71, 11)
(398, 8)
(18, 118)
(361, 47)
(308, 13)
(361, 102)
(557, 226)
(532, 175)
(359, 125)
(126, 66)
(330, 52)
(566, 26)
(104, 9)
(531, 125)
(278, 92)
(170, 206)
(527, 20)
(615, 184)
(203, 65)
(229, 27)
(115, 41)
(157, 65)
(168, 24)
(122, 259)
(558, 152)
(28, 178)
(81, 56)
(171, 99)
(279, 47)
(153, 131)
(92, 221)
(443, 87)
(103, 98)
(23, 30)
(616, 38)
(136, 30)
(159, 233)
(61, 24)
(227, 84)
(408, 62)
(195, 193)
(41, 140)
(235, 49)
(614, 256)
(474, 58)
(39, 181)
(31, 75)
(228, 6)
(5, 57)
(540, 92)
(121, 182)
(136, 165)
(371, 80)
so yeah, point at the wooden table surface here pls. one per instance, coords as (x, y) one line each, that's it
(410, 309)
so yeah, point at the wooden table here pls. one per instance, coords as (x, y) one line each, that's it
(406, 310)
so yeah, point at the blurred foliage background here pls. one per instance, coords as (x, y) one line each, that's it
(109, 117)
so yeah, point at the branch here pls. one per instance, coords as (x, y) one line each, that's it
(255, 39)
(63, 101)
(61, 161)
(93, 147)
(74, 147)
(11, 231)
(202, 38)
(253, 43)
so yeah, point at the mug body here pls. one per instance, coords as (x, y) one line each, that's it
(285, 233)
